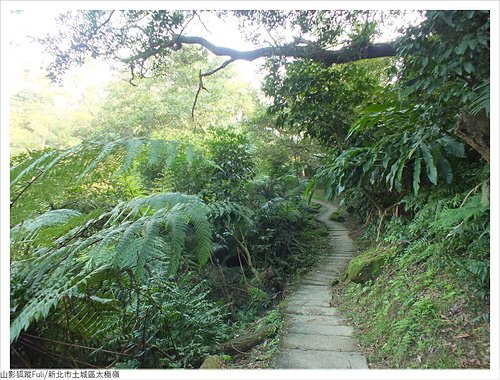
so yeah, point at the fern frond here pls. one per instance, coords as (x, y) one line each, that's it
(190, 154)
(61, 284)
(171, 153)
(125, 248)
(90, 318)
(150, 246)
(157, 149)
(452, 218)
(230, 211)
(37, 164)
(142, 205)
(202, 229)
(133, 148)
(176, 226)
(94, 155)
(482, 99)
(49, 218)
(135, 233)
(106, 151)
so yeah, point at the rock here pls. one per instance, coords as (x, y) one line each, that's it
(336, 217)
(212, 362)
(313, 210)
(366, 266)
(315, 206)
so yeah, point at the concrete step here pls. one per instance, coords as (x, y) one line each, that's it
(319, 342)
(310, 310)
(304, 288)
(310, 297)
(317, 320)
(321, 330)
(319, 275)
(310, 359)
(327, 282)
(315, 336)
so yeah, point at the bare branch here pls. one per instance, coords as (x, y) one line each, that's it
(201, 22)
(103, 24)
(224, 64)
(275, 43)
(185, 26)
(294, 50)
(201, 86)
(26, 188)
(130, 81)
(75, 345)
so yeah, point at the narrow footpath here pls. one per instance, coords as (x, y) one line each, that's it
(315, 336)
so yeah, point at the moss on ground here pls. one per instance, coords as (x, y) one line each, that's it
(336, 216)
(368, 265)
(416, 314)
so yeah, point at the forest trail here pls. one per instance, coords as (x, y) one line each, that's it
(315, 336)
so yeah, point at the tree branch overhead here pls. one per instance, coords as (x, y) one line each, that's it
(323, 56)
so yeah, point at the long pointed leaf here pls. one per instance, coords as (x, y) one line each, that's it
(430, 165)
(416, 175)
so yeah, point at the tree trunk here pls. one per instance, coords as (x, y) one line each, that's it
(475, 131)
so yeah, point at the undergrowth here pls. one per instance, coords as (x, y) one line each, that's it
(429, 307)
(120, 271)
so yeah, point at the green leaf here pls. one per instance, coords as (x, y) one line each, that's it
(399, 174)
(190, 154)
(101, 300)
(375, 175)
(460, 49)
(416, 175)
(171, 153)
(392, 174)
(377, 108)
(133, 149)
(106, 151)
(430, 165)
(156, 150)
(469, 68)
(15, 176)
(452, 146)
(444, 168)
(481, 98)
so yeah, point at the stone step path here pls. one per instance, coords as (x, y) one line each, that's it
(315, 335)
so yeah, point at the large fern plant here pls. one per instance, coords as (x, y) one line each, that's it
(143, 237)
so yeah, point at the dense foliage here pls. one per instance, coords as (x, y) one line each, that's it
(402, 163)
(428, 307)
(146, 238)
(135, 275)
